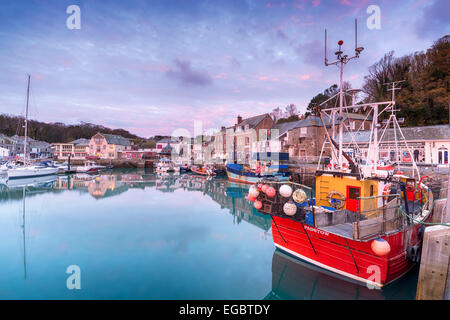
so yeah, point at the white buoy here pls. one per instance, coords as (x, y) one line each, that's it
(286, 190)
(253, 191)
(290, 208)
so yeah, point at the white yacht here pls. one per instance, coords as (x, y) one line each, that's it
(29, 170)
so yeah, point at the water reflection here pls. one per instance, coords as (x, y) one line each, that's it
(293, 279)
(228, 195)
(132, 229)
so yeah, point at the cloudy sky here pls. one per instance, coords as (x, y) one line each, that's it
(153, 66)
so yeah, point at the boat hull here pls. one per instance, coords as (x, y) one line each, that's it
(20, 173)
(346, 257)
(90, 170)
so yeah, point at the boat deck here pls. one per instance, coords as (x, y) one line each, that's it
(342, 229)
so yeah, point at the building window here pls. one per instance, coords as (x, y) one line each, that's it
(303, 130)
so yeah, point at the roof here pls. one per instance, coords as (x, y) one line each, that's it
(168, 140)
(116, 139)
(81, 141)
(253, 121)
(437, 132)
(167, 149)
(285, 127)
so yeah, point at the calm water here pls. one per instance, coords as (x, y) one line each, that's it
(135, 235)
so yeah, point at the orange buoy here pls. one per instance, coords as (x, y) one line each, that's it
(271, 191)
(257, 204)
(380, 247)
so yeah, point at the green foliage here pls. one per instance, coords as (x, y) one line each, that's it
(288, 119)
(55, 132)
(424, 97)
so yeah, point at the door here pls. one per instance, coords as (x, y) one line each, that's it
(352, 203)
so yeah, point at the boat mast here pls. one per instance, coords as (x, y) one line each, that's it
(26, 124)
(341, 60)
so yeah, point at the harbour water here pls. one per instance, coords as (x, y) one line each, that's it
(137, 235)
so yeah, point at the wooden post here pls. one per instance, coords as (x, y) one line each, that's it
(434, 264)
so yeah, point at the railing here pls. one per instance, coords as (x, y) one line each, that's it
(378, 221)
(392, 216)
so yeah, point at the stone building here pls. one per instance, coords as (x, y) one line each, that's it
(242, 138)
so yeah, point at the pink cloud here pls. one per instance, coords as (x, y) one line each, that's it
(305, 77)
(315, 3)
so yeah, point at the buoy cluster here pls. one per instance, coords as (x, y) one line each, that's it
(284, 195)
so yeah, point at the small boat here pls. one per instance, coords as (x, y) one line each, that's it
(166, 165)
(89, 167)
(243, 174)
(205, 171)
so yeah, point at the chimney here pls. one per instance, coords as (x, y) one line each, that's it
(239, 119)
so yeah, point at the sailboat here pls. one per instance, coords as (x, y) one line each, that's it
(366, 221)
(29, 170)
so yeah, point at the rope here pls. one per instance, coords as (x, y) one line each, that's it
(425, 223)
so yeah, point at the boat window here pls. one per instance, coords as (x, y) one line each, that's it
(353, 193)
(371, 190)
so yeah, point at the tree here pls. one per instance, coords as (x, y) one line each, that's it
(423, 99)
(291, 110)
(276, 114)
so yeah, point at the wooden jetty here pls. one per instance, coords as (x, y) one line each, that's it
(434, 274)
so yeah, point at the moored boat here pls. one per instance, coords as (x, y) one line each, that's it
(205, 171)
(89, 167)
(243, 174)
(29, 170)
(166, 165)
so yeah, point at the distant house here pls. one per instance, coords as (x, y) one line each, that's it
(108, 146)
(35, 149)
(77, 149)
(4, 152)
(219, 146)
(6, 143)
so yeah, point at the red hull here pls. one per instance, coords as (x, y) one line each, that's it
(347, 257)
(199, 172)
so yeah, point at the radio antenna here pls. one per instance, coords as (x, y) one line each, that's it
(341, 60)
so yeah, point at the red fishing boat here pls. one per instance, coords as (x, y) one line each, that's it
(365, 222)
(205, 171)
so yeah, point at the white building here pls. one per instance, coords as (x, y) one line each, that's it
(426, 145)
(4, 152)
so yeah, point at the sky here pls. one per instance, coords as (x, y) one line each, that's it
(153, 67)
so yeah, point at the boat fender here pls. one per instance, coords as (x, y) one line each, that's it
(421, 231)
(413, 254)
(386, 191)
